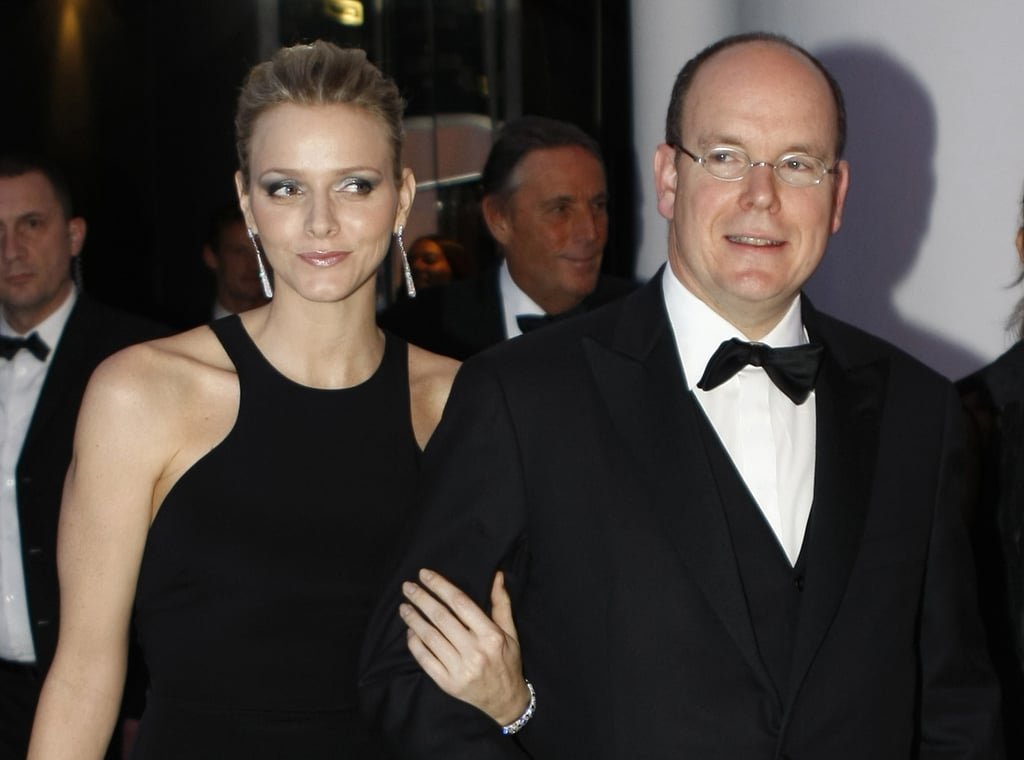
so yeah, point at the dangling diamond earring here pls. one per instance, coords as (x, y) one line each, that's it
(410, 286)
(268, 290)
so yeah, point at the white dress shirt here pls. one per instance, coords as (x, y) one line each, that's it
(770, 440)
(21, 380)
(219, 311)
(514, 301)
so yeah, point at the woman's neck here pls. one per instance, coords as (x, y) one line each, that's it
(323, 345)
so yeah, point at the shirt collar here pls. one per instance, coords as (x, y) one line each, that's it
(514, 301)
(219, 310)
(49, 329)
(699, 330)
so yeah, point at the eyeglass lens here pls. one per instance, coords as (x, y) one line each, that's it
(793, 168)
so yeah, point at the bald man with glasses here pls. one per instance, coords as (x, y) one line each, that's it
(729, 524)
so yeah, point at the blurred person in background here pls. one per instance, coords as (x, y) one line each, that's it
(994, 399)
(545, 203)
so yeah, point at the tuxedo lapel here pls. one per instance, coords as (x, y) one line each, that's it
(62, 377)
(640, 378)
(849, 401)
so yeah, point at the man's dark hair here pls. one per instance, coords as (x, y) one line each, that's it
(227, 214)
(18, 164)
(674, 118)
(522, 136)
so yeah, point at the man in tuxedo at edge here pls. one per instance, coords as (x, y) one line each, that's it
(704, 562)
(545, 204)
(52, 337)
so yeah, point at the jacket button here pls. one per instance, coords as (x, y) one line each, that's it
(798, 584)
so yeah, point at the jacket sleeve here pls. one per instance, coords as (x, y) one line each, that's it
(471, 522)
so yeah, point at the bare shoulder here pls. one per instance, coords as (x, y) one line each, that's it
(431, 376)
(430, 381)
(161, 371)
(183, 386)
(158, 407)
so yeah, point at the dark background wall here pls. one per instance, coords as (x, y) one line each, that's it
(135, 98)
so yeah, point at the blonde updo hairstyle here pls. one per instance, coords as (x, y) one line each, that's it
(318, 74)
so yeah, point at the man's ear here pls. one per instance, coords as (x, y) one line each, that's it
(1020, 244)
(497, 219)
(842, 185)
(209, 258)
(76, 232)
(666, 177)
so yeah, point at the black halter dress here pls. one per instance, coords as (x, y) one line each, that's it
(265, 561)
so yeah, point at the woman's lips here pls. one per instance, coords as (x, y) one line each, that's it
(323, 258)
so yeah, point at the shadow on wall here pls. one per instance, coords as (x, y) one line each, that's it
(891, 147)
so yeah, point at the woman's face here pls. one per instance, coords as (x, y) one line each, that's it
(429, 265)
(323, 198)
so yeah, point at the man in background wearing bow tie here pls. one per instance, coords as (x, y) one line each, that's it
(730, 524)
(545, 203)
(51, 339)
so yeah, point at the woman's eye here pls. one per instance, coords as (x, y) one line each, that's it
(283, 189)
(356, 185)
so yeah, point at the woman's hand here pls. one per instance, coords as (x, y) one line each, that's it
(471, 656)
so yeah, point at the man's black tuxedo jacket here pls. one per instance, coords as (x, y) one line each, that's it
(574, 460)
(92, 333)
(465, 317)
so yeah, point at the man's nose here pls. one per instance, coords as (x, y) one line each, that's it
(588, 225)
(8, 247)
(761, 186)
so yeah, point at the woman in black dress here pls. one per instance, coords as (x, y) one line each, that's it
(242, 485)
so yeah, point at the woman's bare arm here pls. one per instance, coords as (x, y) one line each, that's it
(105, 516)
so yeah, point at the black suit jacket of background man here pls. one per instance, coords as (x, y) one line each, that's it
(576, 460)
(466, 316)
(994, 396)
(92, 333)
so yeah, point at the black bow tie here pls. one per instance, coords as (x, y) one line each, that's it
(10, 345)
(793, 369)
(530, 322)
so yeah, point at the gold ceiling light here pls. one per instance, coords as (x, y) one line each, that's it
(347, 12)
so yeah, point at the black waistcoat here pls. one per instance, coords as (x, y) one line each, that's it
(773, 588)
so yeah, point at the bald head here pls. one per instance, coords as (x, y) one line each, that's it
(686, 76)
